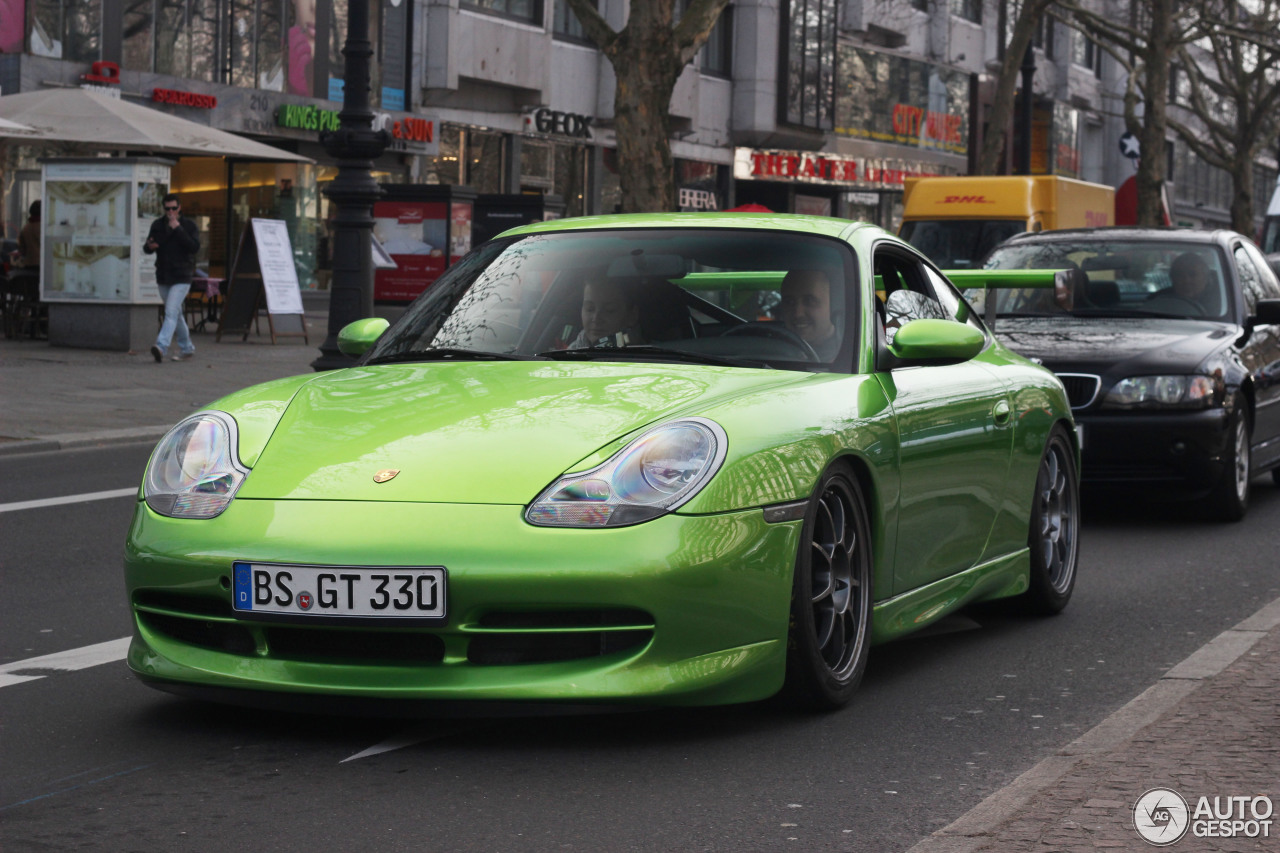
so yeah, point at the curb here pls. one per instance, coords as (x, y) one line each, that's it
(75, 440)
(973, 829)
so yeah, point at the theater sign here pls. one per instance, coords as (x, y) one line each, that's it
(836, 170)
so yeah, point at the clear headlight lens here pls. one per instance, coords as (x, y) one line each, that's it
(649, 477)
(1155, 392)
(194, 472)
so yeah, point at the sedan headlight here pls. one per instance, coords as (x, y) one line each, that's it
(1164, 392)
(194, 472)
(651, 476)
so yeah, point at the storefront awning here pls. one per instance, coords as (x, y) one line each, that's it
(80, 115)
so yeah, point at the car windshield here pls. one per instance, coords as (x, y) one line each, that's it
(720, 296)
(959, 243)
(1160, 278)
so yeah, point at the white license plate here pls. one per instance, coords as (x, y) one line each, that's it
(363, 591)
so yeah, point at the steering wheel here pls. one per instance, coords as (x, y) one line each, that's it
(1167, 297)
(768, 329)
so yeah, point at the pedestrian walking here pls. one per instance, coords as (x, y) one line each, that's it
(174, 240)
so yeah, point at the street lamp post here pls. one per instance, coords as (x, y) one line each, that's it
(1025, 110)
(355, 145)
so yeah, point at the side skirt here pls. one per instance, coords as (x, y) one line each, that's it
(1000, 578)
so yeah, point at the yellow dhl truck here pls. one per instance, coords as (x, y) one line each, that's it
(957, 220)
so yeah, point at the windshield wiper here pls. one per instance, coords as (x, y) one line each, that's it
(447, 354)
(646, 351)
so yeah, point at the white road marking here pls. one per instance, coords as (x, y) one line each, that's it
(68, 661)
(412, 736)
(68, 499)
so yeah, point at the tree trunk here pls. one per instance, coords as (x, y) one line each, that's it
(1006, 86)
(642, 123)
(1151, 168)
(1242, 196)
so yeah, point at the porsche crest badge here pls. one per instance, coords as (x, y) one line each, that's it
(385, 474)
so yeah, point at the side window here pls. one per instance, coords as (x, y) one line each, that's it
(1250, 280)
(956, 306)
(907, 295)
(1268, 282)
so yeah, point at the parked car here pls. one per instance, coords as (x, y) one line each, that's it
(1169, 347)
(670, 459)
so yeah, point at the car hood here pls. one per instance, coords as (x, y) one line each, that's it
(473, 432)
(1115, 345)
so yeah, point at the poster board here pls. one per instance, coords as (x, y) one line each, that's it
(263, 276)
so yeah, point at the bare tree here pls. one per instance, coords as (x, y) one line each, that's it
(1144, 46)
(648, 55)
(1233, 77)
(1029, 13)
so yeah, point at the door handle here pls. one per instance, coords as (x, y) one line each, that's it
(1000, 412)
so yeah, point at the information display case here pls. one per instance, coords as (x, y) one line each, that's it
(96, 215)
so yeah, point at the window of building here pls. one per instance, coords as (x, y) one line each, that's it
(521, 10)
(1043, 36)
(717, 54)
(565, 24)
(970, 10)
(65, 29)
(808, 64)
(1085, 53)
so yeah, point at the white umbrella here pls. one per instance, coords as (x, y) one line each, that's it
(80, 115)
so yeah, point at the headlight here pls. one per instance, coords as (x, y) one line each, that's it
(194, 472)
(649, 477)
(1164, 392)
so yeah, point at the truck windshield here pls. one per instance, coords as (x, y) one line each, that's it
(959, 243)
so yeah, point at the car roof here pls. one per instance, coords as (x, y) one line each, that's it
(1125, 233)
(822, 225)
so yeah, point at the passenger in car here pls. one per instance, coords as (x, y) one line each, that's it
(806, 310)
(610, 316)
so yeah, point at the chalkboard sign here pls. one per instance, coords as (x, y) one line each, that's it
(263, 276)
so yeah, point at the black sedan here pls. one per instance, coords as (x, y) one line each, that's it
(1168, 343)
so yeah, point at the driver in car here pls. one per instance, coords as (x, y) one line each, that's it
(610, 316)
(806, 310)
(1189, 277)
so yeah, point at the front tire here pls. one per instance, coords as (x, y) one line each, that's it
(1229, 500)
(830, 627)
(1054, 534)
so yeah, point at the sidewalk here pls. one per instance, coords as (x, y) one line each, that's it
(1209, 728)
(61, 397)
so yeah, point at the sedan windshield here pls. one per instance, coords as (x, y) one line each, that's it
(1163, 278)
(703, 296)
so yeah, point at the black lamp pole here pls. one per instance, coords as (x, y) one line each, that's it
(355, 145)
(1024, 110)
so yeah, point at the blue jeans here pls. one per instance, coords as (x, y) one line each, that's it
(174, 321)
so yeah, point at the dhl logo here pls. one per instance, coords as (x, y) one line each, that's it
(966, 199)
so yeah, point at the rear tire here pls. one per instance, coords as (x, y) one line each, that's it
(830, 630)
(1054, 535)
(1229, 500)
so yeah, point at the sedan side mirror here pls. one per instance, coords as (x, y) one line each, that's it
(356, 338)
(936, 340)
(1267, 313)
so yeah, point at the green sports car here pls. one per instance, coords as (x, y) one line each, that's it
(667, 459)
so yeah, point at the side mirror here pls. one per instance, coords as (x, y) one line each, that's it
(1267, 313)
(936, 340)
(356, 338)
(1066, 284)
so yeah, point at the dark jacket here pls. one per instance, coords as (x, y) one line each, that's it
(176, 254)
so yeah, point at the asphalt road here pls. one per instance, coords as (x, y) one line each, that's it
(93, 760)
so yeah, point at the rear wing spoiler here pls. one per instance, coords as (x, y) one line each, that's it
(1065, 283)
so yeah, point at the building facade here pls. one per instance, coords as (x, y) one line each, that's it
(810, 106)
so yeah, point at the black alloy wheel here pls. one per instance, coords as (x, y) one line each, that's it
(1054, 534)
(831, 597)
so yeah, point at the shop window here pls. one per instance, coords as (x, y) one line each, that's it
(537, 165)
(808, 64)
(565, 24)
(486, 153)
(65, 29)
(521, 10)
(571, 178)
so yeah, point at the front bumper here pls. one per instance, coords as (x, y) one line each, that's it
(1183, 454)
(680, 610)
